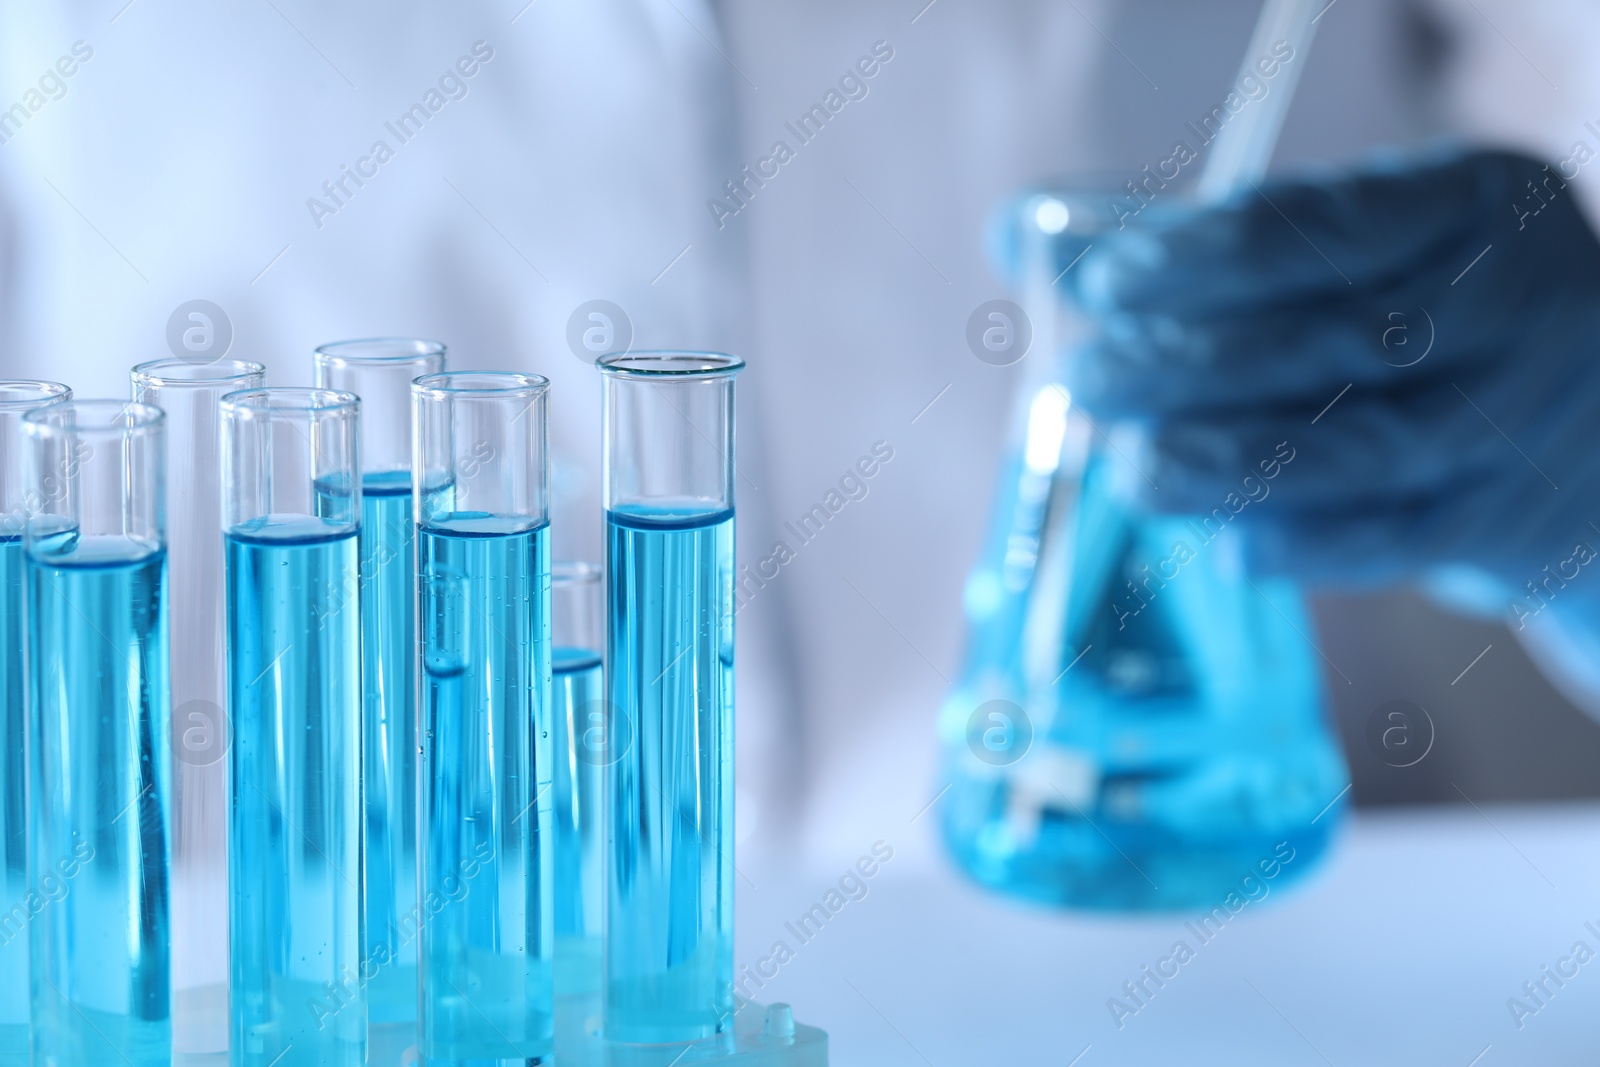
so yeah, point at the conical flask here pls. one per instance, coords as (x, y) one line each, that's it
(1139, 723)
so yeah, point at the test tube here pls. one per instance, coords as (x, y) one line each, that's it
(291, 514)
(98, 737)
(189, 390)
(669, 693)
(578, 712)
(481, 477)
(17, 398)
(380, 372)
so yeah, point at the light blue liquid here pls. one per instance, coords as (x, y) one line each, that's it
(578, 710)
(295, 829)
(487, 939)
(389, 691)
(13, 806)
(99, 858)
(1183, 747)
(669, 875)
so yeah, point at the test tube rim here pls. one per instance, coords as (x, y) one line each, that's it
(421, 348)
(129, 417)
(575, 571)
(274, 399)
(453, 383)
(45, 394)
(675, 364)
(237, 370)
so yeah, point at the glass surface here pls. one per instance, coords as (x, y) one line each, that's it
(100, 941)
(579, 724)
(16, 399)
(1138, 723)
(295, 858)
(487, 870)
(486, 878)
(292, 507)
(669, 428)
(668, 743)
(13, 803)
(669, 872)
(99, 860)
(380, 371)
(389, 742)
(189, 392)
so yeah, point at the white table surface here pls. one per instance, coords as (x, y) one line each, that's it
(1403, 949)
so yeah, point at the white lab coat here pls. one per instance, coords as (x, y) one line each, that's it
(187, 158)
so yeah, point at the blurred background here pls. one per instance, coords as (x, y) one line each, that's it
(230, 153)
(498, 174)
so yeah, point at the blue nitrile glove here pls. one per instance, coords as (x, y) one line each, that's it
(1396, 368)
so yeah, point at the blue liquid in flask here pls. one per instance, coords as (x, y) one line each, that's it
(100, 849)
(295, 860)
(487, 943)
(578, 713)
(1173, 737)
(13, 804)
(389, 690)
(669, 875)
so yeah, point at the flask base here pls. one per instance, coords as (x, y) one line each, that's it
(1074, 865)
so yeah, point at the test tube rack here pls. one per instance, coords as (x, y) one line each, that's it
(761, 1036)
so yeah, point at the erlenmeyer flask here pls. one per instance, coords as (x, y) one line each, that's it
(1139, 723)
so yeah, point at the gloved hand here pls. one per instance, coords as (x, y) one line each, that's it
(1422, 337)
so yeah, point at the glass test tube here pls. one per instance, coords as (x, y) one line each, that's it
(17, 398)
(380, 372)
(98, 738)
(189, 390)
(669, 691)
(578, 713)
(482, 472)
(291, 514)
